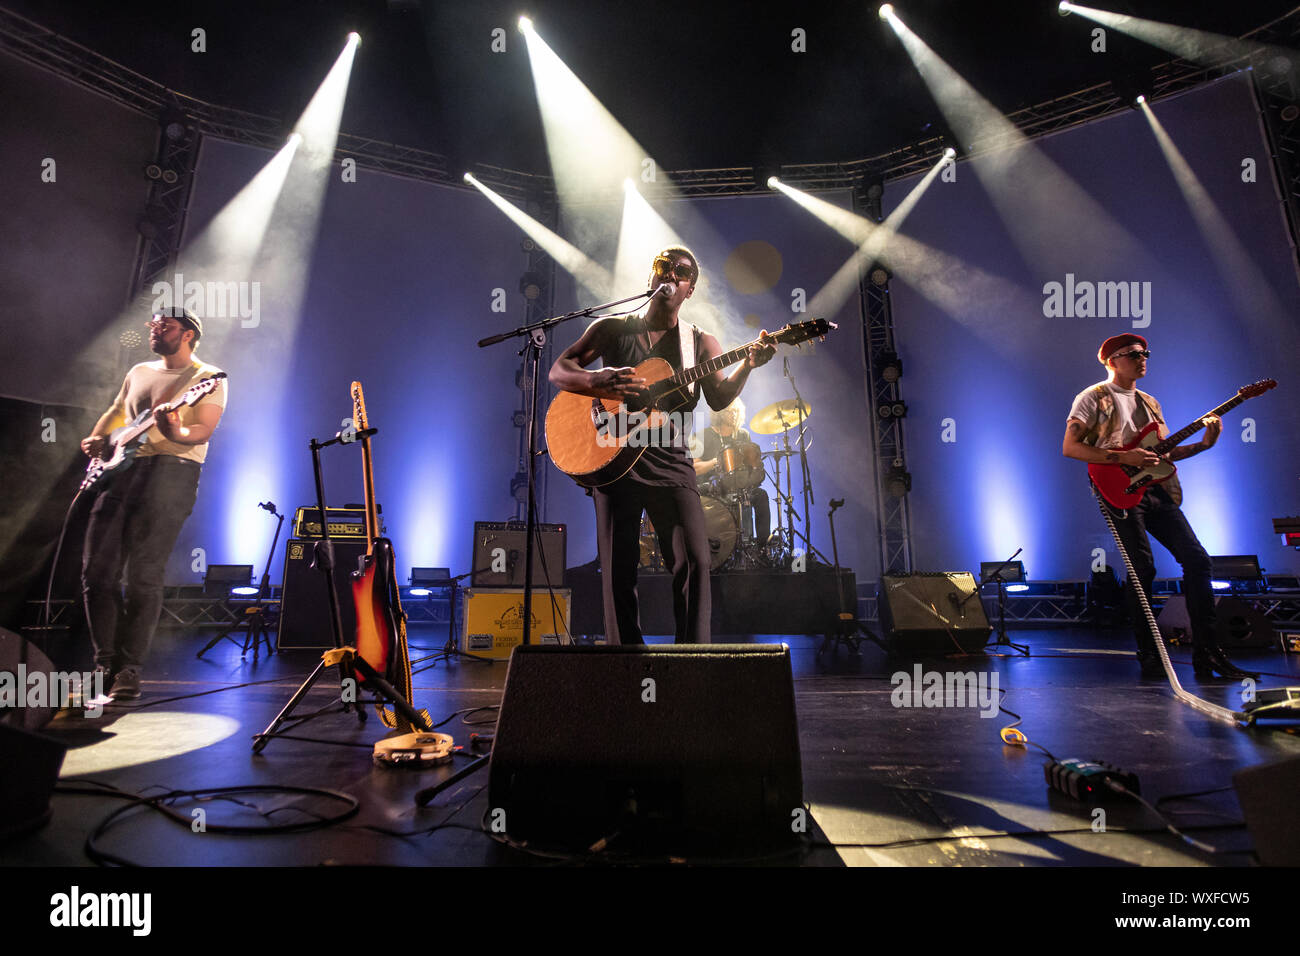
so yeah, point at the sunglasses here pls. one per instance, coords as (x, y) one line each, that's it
(1144, 353)
(161, 325)
(665, 267)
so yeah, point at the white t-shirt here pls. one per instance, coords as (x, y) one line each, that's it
(1129, 413)
(149, 384)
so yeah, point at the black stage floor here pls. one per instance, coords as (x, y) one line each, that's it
(886, 786)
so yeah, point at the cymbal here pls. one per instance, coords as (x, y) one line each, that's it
(777, 417)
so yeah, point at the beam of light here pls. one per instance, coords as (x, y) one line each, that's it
(140, 738)
(641, 236)
(595, 278)
(1055, 224)
(1196, 46)
(1257, 305)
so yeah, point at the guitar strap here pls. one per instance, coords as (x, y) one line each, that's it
(686, 338)
(185, 382)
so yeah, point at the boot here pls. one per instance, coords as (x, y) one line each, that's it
(1210, 660)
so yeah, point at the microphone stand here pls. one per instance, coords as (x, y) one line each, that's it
(254, 622)
(535, 335)
(996, 575)
(848, 628)
(806, 473)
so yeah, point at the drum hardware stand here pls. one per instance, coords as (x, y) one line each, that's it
(254, 622)
(535, 336)
(808, 498)
(848, 630)
(346, 657)
(996, 575)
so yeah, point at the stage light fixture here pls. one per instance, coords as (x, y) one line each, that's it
(1141, 100)
(886, 11)
(890, 367)
(772, 181)
(1290, 113)
(530, 284)
(528, 245)
(950, 153)
(1063, 8)
(354, 38)
(153, 171)
(469, 178)
(898, 482)
(525, 25)
(169, 177)
(879, 276)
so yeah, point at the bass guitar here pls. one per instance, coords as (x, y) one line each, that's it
(597, 440)
(124, 443)
(381, 625)
(1124, 485)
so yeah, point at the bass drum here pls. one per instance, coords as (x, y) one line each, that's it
(723, 532)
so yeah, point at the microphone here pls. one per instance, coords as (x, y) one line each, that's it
(267, 506)
(665, 288)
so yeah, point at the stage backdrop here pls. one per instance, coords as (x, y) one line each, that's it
(990, 374)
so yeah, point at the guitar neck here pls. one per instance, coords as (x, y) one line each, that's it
(1177, 438)
(697, 372)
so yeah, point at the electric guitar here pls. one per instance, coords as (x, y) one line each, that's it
(1124, 485)
(381, 623)
(124, 443)
(597, 440)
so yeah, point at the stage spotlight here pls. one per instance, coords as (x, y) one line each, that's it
(1063, 8)
(879, 276)
(1140, 100)
(898, 482)
(628, 185)
(354, 38)
(153, 171)
(295, 139)
(890, 367)
(525, 25)
(530, 284)
(950, 153)
(469, 178)
(886, 11)
(772, 182)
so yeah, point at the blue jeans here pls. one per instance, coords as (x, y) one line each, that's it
(133, 528)
(1158, 516)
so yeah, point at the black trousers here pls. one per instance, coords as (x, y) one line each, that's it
(133, 528)
(1158, 516)
(683, 541)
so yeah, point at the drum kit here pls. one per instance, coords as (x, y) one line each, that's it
(727, 495)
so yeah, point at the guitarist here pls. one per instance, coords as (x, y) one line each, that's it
(1107, 416)
(662, 482)
(136, 518)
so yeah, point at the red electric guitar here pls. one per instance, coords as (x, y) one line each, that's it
(1124, 485)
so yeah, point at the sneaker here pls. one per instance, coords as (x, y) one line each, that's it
(126, 685)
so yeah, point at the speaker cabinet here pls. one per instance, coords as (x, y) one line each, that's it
(671, 748)
(15, 652)
(31, 768)
(1237, 624)
(931, 614)
(1268, 798)
(304, 599)
(497, 543)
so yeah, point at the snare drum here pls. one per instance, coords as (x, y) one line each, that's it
(741, 467)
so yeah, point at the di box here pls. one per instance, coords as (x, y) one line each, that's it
(688, 749)
(494, 620)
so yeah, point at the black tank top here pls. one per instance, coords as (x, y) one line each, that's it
(661, 464)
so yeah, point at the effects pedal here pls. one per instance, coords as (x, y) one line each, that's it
(1086, 779)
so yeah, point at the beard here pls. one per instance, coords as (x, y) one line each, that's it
(162, 347)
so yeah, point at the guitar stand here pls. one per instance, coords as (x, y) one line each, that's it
(848, 630)
(324, 562)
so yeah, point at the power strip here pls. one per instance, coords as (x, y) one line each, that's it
(1086, 779)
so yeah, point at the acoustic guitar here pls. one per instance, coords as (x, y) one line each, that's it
(597, 440)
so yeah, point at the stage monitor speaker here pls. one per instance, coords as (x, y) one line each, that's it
(1268, 798)
(499, 555)
(304, 600)
(1237, 624)
(685, 749)
(16, 650)
(932, 613)
(31, 768)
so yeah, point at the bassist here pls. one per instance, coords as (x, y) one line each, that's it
(662, 482)
(136, 518)
(1104, 418)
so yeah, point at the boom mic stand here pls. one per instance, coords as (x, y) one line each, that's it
(848, 628)
(536, 342)
(996, 575)
(254, 622)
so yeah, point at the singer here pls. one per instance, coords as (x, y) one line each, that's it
(662, 482)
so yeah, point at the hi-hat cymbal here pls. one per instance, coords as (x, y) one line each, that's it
(777, 417)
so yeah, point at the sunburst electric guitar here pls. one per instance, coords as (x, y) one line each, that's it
(1124, 485)
(381, 625)
(597, 440)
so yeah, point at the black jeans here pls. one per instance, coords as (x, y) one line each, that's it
(1157, 515)
(683, 536)
(133, 527)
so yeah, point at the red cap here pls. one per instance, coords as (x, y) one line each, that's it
(1117, 342)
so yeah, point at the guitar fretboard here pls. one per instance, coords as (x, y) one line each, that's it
(1178, 437)
(697, 372)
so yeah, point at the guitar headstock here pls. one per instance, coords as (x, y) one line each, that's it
(199, 389)
(359, 407)
(1259, 388)
(797, 332)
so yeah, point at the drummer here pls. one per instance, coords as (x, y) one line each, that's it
(724, 432)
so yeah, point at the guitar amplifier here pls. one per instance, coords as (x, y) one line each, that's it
(345, 522)
(304, 600)
(499, 555)
(493, 620)
(931, 614)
